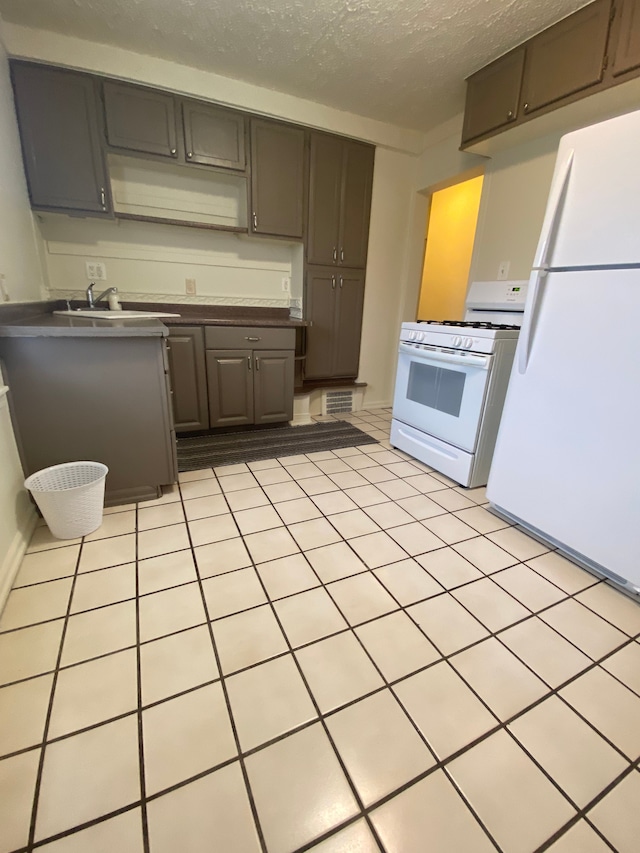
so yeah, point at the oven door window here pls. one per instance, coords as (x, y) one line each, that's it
(443, 398)
(436, 387)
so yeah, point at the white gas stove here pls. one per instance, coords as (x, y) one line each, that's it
(450, 387)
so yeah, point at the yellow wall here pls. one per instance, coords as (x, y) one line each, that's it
(450, 236)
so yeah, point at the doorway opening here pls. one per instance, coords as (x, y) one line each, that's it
(451, 230)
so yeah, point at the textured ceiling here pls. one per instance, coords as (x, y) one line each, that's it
(398, 61)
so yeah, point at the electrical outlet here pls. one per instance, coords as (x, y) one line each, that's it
(503, 270)
(96, 271)
(190, 286)
(4, 293)
(286, 284)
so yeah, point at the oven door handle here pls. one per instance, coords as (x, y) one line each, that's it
(481, 361)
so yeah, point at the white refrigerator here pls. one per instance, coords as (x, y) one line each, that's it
(567, 459)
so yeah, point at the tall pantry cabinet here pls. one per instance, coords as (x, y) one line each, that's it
(340, 183)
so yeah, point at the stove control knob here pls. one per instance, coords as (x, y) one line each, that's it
(412, 336)
(420, 336)
(457, 341)
(468, 343)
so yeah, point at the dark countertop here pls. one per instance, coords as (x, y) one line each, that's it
(220, 315)
(239, 320)
(36, 320)
(53, 325)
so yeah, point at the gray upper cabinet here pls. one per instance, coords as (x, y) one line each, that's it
(188, 374)
(626, 41)
(325, 198)
(357, 182)
(139, 119)
(566, 57)
(340, 183)
(60, 135)
(493, 95)
(277, 179)
(213, 136)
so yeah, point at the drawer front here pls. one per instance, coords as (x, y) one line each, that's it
(248, 337)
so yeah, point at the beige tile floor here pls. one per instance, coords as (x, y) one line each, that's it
(343, 651)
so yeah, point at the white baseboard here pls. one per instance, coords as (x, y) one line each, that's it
(376, 404)
(13, 557)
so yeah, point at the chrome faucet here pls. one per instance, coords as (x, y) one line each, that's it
(93, 301)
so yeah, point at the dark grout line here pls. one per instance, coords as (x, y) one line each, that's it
(39, 774)
(245, 775)
(141, 764)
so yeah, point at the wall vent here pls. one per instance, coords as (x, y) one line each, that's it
(337, 402)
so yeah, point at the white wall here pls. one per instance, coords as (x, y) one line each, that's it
(150, 262)
(391, 250)
(514, 198)
(20, 264)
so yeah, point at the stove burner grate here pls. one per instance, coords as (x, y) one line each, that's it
(470, 324)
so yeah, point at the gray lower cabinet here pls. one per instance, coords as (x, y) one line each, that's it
(185, 348)
(273, 386)
(230, 383)
(250, 373)
(60, 135)
(334, 304)
(102, 399)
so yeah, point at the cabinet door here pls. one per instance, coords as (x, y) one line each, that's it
(277, 179)
(140, 119)
(273, 386)
(188, 378)
(567, 57)
(357, 180)
(230, 386)
(325, 198)
(626, 50)
(493, 95)
(213, 136)
(348, 323)
(58, 120)
(321, 308)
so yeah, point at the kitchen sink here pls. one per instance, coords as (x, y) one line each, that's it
(115, 315)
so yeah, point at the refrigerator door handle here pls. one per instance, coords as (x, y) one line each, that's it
(524, 340)
(542, 256)
(552, 215)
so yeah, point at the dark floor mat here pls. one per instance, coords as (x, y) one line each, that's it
(227, 448)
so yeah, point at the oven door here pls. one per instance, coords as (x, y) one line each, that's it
(442, 392)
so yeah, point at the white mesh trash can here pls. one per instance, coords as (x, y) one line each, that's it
(70, 497)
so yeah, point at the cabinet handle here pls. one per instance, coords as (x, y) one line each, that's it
(526, 108)
(173, 152)
(255, 220)
(341, 281)
(252, 339)
(249, 362)
(510, 115)
(333, 282)
(103, 198)
(189, 155)
(257, 363)
(341, 256)
(335, 254)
